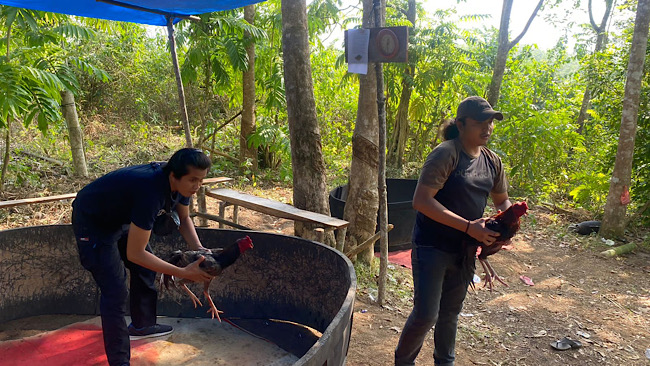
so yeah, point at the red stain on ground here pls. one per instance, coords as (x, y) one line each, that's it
(78, 344)
(400, 257)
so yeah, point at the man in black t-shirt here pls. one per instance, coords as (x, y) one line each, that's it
(112, 218)
(455, 182)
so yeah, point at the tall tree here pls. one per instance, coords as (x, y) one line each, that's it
(614, 217)
(362, 201)
(309, 186)
(75, 135)
(217, 51)
(247, 153)
(401, 131)
(38, 66)
(600, 30)
(504, 48)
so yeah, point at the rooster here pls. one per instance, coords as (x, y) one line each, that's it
(215, 261)
(506, 223)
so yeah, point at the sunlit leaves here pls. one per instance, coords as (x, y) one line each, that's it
(74, 31)
(36, 67)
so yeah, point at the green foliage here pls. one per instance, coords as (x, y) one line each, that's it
(273, 143)
(35, 68)
(122, 77)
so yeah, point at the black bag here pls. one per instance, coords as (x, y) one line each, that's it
(167, 220)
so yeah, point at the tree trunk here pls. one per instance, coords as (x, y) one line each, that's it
(7, 156)
(74, 133)
(5, 160)
(309, 186)
(362, 201)
(504, 48)
(600, 43)
(179, 82)
(401, 131)
(614, 217)
(248, 111)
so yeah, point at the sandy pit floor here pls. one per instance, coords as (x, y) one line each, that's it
(55, 340)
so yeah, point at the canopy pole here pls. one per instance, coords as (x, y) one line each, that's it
(179, 82)
(381, 176)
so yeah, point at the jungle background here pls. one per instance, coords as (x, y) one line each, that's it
(563, 109)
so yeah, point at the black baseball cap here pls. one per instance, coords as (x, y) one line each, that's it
(478, 109)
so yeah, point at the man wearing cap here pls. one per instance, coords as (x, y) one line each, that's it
(455, 182)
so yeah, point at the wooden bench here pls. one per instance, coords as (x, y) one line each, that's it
(28, 201)
(200, 197)
(278, 209)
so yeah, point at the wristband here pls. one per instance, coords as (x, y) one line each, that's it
(467, 228)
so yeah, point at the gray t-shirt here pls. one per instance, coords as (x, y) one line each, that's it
(464, 183)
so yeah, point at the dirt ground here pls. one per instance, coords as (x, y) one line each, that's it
(603, 303)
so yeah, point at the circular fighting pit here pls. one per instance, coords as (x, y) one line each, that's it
(289, 301)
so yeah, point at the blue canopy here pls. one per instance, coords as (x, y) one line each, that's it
(158, 10)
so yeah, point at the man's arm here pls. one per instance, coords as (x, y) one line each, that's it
(501, 201)
(424, 202)
(136, 253)
(187, 229)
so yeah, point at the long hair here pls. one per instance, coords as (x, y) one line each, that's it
(182, 159)
(450, 130)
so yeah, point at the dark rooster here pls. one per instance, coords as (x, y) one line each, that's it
(506, 223)
(215, 261)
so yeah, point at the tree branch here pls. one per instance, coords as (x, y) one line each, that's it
(35, 155)
(219, 153)
(591, 19)
(530, 20)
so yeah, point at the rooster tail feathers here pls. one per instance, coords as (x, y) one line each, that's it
(468, 264)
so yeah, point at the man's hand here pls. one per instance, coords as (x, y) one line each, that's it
(478, 231)
(192, 272)
(203, 249)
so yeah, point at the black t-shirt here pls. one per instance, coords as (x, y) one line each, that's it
(464, 183)
(133, 194)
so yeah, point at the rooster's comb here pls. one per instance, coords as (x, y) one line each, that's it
(520, 208)
(245, 244)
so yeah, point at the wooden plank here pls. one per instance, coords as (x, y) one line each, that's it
(215, 180)
(274, 208)
(366, 244)
(220, 220)
(27, 201)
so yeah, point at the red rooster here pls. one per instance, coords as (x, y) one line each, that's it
(506, 223)
(215, 261)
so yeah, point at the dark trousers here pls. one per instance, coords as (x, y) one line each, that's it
(104, 255)
(439, 292)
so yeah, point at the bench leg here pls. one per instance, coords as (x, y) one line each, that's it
(222, 212)
(340, 238)
(202, 207)
(235, 214)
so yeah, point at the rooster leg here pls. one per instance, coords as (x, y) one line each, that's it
(195, 300)
(488, 274)
(494, 274)
(213, 309)
(165, 281)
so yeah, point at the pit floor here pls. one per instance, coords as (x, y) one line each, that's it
(57, 340)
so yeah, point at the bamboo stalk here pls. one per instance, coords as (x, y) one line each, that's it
(623, 249)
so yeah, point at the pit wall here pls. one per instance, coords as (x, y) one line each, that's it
(283, 278)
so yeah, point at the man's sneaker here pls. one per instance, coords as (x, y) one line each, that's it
(148, 332)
